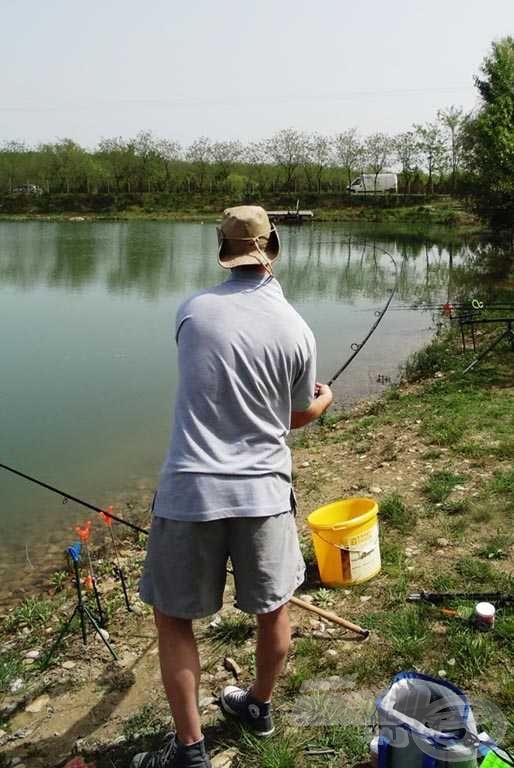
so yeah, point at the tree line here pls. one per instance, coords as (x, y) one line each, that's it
(456, 152)
(428, 157)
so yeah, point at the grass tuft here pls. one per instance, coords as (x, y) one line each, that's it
(439, 486)
(32, 612)
(147, 722)
(394, 511)
(232, 629)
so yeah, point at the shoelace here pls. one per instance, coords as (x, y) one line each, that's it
(240, 698)
(169, 749)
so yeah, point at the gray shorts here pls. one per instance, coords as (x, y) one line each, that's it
(185, 568)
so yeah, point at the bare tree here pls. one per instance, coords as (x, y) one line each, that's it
(118, 155)
(254, 155)
(225, 154)
(378, 149)
(145, 149)
(407, 151)
(169, 152)
(11, 152)
(287, 148)
(452, 119)
(318, 153)
(432, 148)
(349, 151)
(199, 153)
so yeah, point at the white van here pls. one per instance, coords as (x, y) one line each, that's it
(369, 182)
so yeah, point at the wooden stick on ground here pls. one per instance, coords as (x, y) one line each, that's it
(329, 616)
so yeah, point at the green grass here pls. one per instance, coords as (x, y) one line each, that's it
(496, 547)
(431, 455)
(280, 751)
(146, 722)
(456, 507)
(435, 357)
(502, 484)
(394, 511)
(232, 630)
(11, 667)
(439, 485)
(308, 663)
(475, 571)
(31, 612)
(349, 741)
(406, 630)
(473, 652)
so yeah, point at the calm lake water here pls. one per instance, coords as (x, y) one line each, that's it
(88, 366)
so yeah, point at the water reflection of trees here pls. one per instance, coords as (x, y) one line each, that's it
(323, 262)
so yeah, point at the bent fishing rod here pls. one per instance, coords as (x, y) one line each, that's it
(76, 499)
(357, 346)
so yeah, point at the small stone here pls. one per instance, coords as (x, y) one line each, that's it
(443, 542)
(215, 622)
(104, 634)
(365, 598)
(232, 666)
(38, 704)
(438, 375)
(375, 489)
(316, 624)
(307, 598)
(69, 664)
(451, 662)
(305, 464)
(16, 685)
(331, 653)
(224, 759)
(442, 673)
(33, 655)
(205, 701)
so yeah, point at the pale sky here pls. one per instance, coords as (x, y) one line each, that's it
(231, 69)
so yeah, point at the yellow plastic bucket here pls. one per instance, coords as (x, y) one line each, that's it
(345, 537)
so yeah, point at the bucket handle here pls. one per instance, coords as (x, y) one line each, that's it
(346, 549)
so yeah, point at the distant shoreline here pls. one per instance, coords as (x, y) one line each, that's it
(446, 213)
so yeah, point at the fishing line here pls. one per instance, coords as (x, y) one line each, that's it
(357, 346)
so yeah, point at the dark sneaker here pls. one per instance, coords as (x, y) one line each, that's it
(256, 715)
(173, 755)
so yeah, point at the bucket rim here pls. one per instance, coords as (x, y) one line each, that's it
(354, 522)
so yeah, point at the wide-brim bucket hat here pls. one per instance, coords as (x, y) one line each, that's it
(246, 237)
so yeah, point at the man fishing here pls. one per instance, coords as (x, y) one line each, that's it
(247, 365)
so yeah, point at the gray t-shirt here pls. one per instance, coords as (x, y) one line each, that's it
(246, 360)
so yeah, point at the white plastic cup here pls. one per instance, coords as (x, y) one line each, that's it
(485, 614)
(373, 748)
